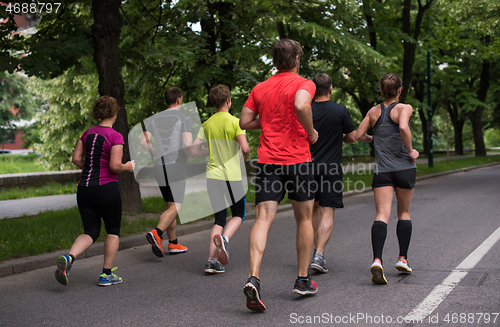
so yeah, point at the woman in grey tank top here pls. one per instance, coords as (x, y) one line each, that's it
(395, 170)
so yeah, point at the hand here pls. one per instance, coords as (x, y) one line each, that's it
(130, 166)
(414, 155)
(313, 138)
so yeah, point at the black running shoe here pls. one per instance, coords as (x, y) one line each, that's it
(303, 287)
(252, 292)
(214, 268)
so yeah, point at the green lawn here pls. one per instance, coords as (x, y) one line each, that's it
(14, 164)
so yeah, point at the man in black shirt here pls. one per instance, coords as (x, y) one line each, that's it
(334, 125)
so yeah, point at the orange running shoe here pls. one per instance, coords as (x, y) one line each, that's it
(176, 248)
(155, 240)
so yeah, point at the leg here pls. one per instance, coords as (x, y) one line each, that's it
(265, 214)
(305, 234)
(212, 249)
(383, 204)
(404, 227)
(168, 217)
(82, 243)
(323, 226)
(110, 249)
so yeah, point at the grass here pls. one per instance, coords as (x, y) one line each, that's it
(56, 230)
(50, 189)
(14, 164)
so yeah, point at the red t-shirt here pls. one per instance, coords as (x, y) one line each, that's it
(283, 140)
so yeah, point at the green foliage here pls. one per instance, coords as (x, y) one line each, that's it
(70, 97)
(50, 189)
(13, 164)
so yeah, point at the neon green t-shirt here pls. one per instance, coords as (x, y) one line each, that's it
(220, 131)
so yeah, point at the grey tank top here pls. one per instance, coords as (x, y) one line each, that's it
(390, 151)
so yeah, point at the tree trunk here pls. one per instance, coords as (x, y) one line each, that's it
(105, 38)
(458, 121)
(410, 44)
(476, 116)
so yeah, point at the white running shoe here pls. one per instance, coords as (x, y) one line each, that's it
(403, 265)
(378, 273)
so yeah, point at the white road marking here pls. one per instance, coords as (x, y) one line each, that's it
(440, 292)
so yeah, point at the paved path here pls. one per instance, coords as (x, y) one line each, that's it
(32, 206)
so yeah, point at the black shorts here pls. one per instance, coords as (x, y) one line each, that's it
(96, 202)
(273, 181)
(402, 179)
(330, 185)
(219, 191)
(172, 189)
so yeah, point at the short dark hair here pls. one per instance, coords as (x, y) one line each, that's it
(172, 94)
(105, 107)
(219, 94)
(285, 52)
(323, 84)
(390, 84)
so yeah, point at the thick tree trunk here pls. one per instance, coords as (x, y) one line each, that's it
(476, 116)
(105, 37)
(458, 121)
(410, 44)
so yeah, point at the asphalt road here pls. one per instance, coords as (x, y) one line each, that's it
(452, 217)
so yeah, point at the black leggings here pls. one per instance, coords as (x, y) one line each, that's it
(96, 202)
(218, 191)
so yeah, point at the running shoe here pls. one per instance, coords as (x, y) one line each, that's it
(252, 292)
(222, 252)
(63, 263)
(155, 240)
(378, 273)
(318, 263)
(403, 265)
(303, 287)
(214, 268)
(106, 280)
(176, 248)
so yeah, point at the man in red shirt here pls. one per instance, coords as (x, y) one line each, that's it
(283, 106)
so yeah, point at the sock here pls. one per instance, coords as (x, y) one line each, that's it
(225, 237)
(106, 271)
(403, 231)
(258, 280)
(173, 242)
(212, 260)
(379, 233)
(72, 258)
(159, 231)
(306, 279)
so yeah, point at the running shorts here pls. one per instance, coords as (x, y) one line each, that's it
(330, 186)
(219, 191)
(273, 181)
(402, 179)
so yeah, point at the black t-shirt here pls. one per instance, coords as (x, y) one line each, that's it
(331, 120)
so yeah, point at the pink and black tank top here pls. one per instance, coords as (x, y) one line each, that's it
(97, 144)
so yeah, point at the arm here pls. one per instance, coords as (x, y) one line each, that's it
(145, 141)
(197, 150)
(242, 140)
(350, 137)
(404, 130)
(187, 140)
(363, 128)
(249, 119)
(115, 160)
(302, 106)
(79, 155)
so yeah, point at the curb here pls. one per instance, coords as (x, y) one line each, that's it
(21, 265)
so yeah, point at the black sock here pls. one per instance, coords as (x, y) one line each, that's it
(403, 231)
(72, 258)
(106, 271)
(159, 231)
(173, 242)
(379, 233)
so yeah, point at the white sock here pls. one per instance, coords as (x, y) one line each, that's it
(225, 237)
(212, 260)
